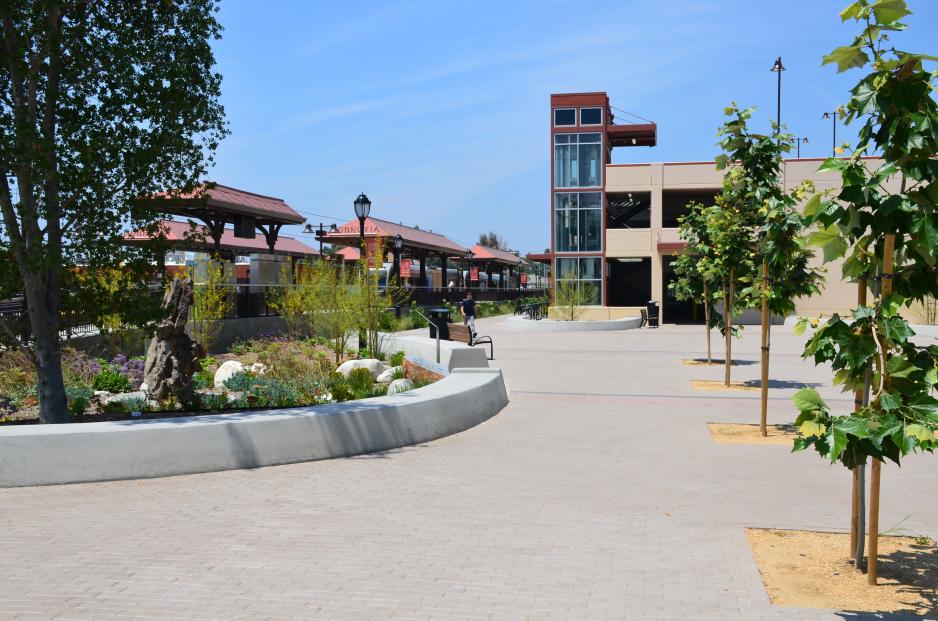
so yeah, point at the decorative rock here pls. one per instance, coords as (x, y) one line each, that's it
(258, 368)
(226, 370)
(102, 394)
(172, 356)
(399, 386)
(374, 366)
(388, 374)
(126, 396)
(143, 386)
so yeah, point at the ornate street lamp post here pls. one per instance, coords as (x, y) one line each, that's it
(362, 209)
(398, 246)
(469, 255)
(798, 143)
(778, 68)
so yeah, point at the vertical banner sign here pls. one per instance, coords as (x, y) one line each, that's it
(524, 279)
(405, 268)
(474, 274)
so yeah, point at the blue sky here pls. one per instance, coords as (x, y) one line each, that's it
(439, 111)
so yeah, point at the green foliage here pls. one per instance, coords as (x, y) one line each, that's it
(397, 358)
(212, 301)
(112, 381)
(416, 319)
(241, 381)
(136, 405)
(873, 347)
(78, 398)
(360, 381)
(213, 401)
(571, 297)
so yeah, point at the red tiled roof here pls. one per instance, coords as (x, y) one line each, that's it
(484, 253)
(176, 232)
(224, 197)
(349, 253)
(413, 238)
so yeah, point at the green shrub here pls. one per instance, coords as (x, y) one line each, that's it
(136, 405)
(111, 381)
(360, 382)
(78, 398)
(241, 381)
(397, 359)
(214, 401)
(416, 319)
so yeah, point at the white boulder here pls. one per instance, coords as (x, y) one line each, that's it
(399, 386)
(388, 374)
(225, 371)
(374, 366)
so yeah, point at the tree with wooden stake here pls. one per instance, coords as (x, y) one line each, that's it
(785, 274)
(882, 221)
(695, 279)
(100, 103)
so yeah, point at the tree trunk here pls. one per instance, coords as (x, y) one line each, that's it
(707, 320)
(43, 304)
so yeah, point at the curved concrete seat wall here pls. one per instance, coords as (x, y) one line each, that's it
(453, 354)
(83, 452)
(523, 324)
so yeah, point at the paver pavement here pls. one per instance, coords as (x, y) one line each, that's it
(596, 494)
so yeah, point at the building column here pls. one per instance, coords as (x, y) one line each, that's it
(444, 279)
(657, 219)
(423, 268)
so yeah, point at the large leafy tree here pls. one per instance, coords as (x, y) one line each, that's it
(888, 239)
(100, 102)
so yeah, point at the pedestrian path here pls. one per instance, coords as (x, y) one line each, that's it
(596, 494)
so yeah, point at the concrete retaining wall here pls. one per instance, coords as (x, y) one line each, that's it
(523, 324)
(83, 452)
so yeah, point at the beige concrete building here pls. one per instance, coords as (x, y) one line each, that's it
(614, 226)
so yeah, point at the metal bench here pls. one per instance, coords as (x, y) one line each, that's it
(461, 333)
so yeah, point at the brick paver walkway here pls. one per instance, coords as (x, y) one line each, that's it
(596, 494)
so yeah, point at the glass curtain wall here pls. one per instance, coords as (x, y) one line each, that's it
(578, 218)
(578, 160)
(586, 272)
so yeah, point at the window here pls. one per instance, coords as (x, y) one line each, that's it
(591, 116)
(578, 160)
(578, 222)
(564, 117)
(587, 272)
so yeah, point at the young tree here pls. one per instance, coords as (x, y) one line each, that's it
(572, 296)
(695, 280)
(889, 239)
(211, 301)
(100, 102)
(778, 243)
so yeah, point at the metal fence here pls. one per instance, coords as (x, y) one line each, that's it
(248, 301)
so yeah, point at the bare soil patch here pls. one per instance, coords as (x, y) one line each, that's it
(740, 433)
(720, 386)
(814, 570)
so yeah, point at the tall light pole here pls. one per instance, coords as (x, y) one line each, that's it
(398, 246)
(832, 115)
(798, 143)
(778, 68)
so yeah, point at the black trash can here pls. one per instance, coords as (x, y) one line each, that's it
(439, 318)
(652, 309)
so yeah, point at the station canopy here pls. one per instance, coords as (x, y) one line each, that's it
(417, 241)
(484, 254)
(217, 205)
(179, 236)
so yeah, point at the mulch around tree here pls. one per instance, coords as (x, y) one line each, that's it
(718, 385)
(810, 569)
(740, 433)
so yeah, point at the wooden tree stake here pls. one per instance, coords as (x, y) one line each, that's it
(728, 324)
(765, 349)
(857, 406)
(707, 320)
(872, 572)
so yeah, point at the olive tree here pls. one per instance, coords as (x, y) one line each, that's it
(100, 102)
